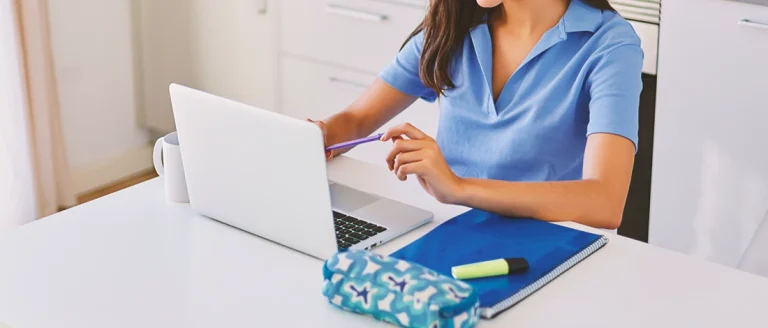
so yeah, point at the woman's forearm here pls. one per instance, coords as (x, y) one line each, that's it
(343, 126)
(589, 202)
(372, 109)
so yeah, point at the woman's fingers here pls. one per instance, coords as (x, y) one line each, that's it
(321, 125)
(324, 130)
(402, 146)
(405, 129)
(406, 158)
(411, 168)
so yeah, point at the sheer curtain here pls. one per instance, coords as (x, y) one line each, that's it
(17, 194)
(34, 172)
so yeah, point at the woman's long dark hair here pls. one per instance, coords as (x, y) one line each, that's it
(445, 27)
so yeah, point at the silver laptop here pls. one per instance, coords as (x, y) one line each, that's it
(265, 173)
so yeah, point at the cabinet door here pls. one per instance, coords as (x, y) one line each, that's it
(235, 53)
(710, 164)
(225, 47)
(360, 34)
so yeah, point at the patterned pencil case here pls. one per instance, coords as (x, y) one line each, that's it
(398, 292)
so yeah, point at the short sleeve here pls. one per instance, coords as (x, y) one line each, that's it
(403, 72)
(614, 86)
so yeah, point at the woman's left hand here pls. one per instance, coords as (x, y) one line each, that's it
(419, 155)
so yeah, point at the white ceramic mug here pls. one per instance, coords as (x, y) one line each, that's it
(167, 158)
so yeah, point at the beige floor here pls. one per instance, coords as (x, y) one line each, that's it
(117, 186)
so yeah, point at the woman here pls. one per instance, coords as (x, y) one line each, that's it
(538, 108)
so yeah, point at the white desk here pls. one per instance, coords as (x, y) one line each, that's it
(132, 259)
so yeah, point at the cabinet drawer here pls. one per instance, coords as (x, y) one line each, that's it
(311, 90)
(724, 64)
(361, 34)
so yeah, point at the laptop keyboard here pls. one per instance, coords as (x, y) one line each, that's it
(351, 230)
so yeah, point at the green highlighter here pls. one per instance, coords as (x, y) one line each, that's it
(491, 268)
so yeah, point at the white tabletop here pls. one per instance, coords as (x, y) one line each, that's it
(132, 259)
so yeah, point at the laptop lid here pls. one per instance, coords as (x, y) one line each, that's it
(256, 170)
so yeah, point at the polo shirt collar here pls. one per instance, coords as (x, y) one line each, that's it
(578, 17)
(581, 17)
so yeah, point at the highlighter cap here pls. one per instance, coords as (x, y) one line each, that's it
(516, 265)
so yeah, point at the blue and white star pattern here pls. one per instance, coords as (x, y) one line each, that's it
(398, 292)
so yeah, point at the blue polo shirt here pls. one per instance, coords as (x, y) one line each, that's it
(582, 77)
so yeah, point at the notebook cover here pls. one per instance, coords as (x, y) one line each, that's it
(475, 236)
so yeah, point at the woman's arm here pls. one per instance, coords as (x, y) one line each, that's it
(373, 108)
(397, 86)
(597, 200)
(614, 84)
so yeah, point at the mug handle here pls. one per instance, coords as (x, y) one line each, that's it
(157, 157)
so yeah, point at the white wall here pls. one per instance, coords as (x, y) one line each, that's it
(92, 45)
(17, 203)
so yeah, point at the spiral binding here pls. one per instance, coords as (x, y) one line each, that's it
(525, 292)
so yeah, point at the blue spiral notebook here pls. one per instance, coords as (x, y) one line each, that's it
(475, 236)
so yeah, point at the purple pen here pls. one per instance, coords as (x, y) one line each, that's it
(355, 142)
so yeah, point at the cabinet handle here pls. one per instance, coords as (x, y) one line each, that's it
(262, 9)
(355, 13)
(337, 80)
(747, 22)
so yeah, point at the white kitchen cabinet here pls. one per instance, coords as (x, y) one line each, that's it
(235, 53)
(710, 164)
(313, 90)
(225, 47)
(360, 34)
